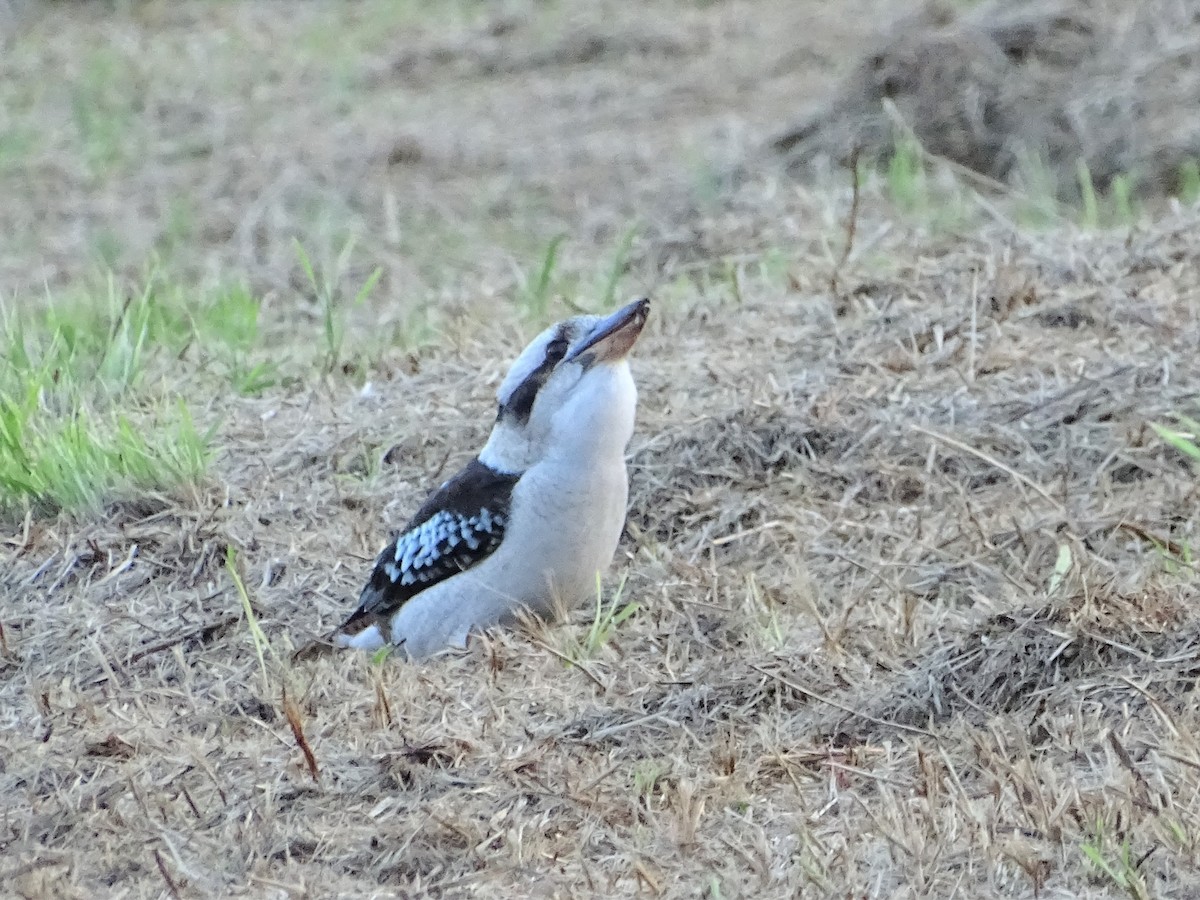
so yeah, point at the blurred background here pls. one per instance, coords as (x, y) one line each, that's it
(451, 144)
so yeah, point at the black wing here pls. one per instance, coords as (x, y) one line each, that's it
(461, 524)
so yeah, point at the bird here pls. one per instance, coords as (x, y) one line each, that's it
(534, 518)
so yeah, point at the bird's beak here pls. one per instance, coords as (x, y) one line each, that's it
(612, 338)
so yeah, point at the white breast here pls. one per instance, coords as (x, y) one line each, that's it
(563, 530)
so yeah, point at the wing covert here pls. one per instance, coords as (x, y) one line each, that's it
(458, 526)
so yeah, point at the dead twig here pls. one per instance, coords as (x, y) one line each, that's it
(172, 887)
(851, 221)
(204, 634)
(292, 713)
(1131, 767)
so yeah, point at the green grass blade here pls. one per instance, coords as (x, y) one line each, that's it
(257, 636)
(1184, 443)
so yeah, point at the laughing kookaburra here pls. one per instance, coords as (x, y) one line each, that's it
(531, 521)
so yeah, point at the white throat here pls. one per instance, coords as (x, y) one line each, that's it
(508, 449)
(594, 424)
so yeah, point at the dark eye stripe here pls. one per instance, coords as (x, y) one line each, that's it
(520, 404)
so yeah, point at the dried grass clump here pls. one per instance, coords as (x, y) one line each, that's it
(689, 476)
(1007, 88)
(1045, 658)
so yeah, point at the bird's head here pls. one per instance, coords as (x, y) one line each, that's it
(570, 391)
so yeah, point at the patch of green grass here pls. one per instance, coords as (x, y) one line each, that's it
(228, 324)
(765, 615)
(1179, 556)
(231, 318)
(88, 411)
(108, 334)
(618, 266)
(1187, 186)
(924, 189)
(906, 184)
(1042, 201)
(1184, 441)
(81, 459)
(327, 288)
(539, 288)
(1098, 210)
(1037, 191)
(607, 618)
(1116, 864)
(1123, 203)
(535, 290)
(935, 193)
(647, 775)
(101, 338)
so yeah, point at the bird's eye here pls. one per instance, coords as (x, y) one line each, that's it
(556, 350)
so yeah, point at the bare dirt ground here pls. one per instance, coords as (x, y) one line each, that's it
(917, 601)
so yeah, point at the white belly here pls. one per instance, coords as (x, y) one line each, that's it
(563, 529)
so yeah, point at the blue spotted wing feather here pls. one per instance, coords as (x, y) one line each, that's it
(459, 526)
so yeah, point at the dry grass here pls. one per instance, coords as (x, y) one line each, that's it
(1028, 91)
(917, 602)
(859, 662)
